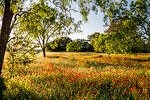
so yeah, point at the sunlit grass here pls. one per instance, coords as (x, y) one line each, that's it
(92, 76)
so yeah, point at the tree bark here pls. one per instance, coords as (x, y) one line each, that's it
(5, 31)
(44, 53)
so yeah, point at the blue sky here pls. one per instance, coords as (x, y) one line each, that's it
(95, 24)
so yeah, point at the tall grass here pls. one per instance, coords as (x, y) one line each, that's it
(85, 76)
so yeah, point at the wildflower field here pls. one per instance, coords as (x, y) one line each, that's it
(81, 76)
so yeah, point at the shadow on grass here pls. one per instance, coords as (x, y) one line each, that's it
(134, 59)
(2, 87)
(23, 94)
(101, 65)
(20, 94)
(53, 56)
(140, 60)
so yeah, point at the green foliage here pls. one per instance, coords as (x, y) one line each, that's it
(121, 42)
(91, 37)
(59, 44)
(99, 43)
(41, 23)
(73, 46)
(132, 14)
(44, 22)
(124, 38)
(20, 51)
(86, 47)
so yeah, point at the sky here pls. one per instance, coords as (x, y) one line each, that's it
(95, 24)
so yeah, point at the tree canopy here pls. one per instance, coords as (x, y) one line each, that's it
(44, 22)
(136, 11)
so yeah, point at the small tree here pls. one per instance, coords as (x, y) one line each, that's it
(73, 46)
(44, 22)
(21, 51)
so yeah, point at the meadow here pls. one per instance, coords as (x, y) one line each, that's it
(80, 76)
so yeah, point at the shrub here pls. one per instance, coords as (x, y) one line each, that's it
(59, 44)
(85, 46)
(73, 46)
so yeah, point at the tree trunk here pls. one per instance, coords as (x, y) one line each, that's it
(5, 31)
(43, 48)
(44, 53)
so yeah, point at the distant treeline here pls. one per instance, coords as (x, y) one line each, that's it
(67, 44)
(103, 43)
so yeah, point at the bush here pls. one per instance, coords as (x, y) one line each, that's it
(59, 44)
(85, 47)
(73, 46)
